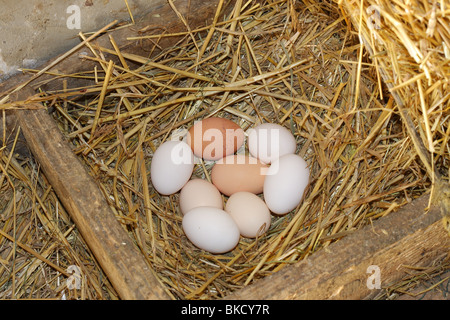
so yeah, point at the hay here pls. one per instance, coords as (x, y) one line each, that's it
(409, 42)
(39, 244)
(296, 64)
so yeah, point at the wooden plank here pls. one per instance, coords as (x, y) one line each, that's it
(343, 269)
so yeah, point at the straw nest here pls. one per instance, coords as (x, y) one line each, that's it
(368, 108)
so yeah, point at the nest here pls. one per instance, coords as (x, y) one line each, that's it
(369, 110)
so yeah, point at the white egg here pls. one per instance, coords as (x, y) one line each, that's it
(269, 141)
(199, 193)
(171, 167)
(250, 213)
(285, 183)
(211, 229)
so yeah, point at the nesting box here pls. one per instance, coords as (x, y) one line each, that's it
(364, 91)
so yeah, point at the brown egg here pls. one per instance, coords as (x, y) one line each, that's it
(214, 138)
(237, 173)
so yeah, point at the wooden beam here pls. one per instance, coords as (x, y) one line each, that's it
(348, 268)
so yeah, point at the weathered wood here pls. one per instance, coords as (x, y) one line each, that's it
(341, 270)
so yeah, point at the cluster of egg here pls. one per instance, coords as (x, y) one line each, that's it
(272, 169)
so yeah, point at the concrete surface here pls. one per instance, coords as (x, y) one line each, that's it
(33, 31)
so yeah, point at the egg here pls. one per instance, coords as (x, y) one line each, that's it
(250, 214)
(214, 138)
(199, 193)
(171, 167)
(285, 183)
(211, 229)
(236, 173)
(269, 141)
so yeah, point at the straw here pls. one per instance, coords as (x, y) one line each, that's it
(38, 241)
(368, 109)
